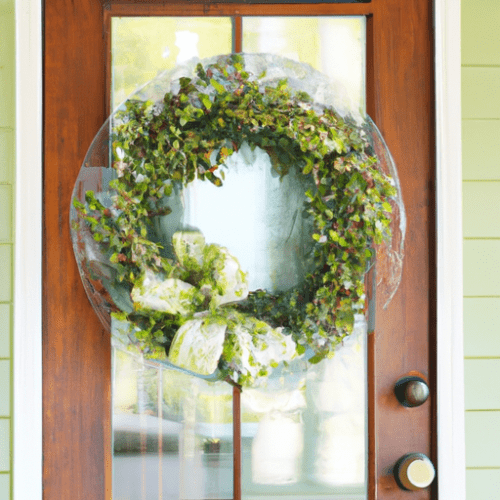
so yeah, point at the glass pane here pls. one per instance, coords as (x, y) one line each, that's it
(333, 45)
(172, 434)
(142, 47)
(316, 446)
(304, 434)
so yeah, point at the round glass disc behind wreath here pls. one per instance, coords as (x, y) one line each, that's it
(226, 214)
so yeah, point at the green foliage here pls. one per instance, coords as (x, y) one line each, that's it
(212, 115)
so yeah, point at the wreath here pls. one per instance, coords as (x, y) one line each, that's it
(191, 301)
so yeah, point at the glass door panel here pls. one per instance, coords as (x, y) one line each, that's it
(172, 433)
(335, 46)
(303, 436)
(315, 447)
(143, 47)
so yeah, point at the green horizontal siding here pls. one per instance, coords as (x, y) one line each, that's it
(480, 93)
(6, 154)
(5, 273)
(5, 325)
(481, 209)
(481, 226)
(480, 158)
(4, 444)
(4, 486)
(482, 327)
(482, 387)
(4, 387)
(480, 26)
(482, 438)
(5, 213)
(7, 175)
(7, 73)
(483, 484)
(481, 268)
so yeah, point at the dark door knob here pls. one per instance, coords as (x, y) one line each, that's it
(411, 391)
(414, 472)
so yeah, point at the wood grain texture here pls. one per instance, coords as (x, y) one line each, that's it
(403, 110)
(77, 450)
(163, 8)
(76, 350)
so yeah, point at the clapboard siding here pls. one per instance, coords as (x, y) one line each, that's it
(481, 268)
(480, 158)
(482, 389)
(480, 25)
(480, 92)
(6, 149)
(481, 327)
(7, 168)
(482, 439)
(481, 216)
(483, 484)
(481, 209)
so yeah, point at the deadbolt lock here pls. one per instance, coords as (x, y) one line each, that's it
(414, 472)
(411, 391)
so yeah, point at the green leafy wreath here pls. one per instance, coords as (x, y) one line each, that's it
(198, 296)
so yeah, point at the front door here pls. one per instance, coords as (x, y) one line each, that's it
(77, 370)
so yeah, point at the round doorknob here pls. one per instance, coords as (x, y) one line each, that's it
(414, 472)
(411, 391)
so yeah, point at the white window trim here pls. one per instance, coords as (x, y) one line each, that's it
(27, 419)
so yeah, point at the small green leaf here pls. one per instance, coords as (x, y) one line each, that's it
(387, 207)
(206, 101)
(217, 86)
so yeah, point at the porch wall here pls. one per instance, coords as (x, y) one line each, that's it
(481, 197)
(481, 214)
(7, 169)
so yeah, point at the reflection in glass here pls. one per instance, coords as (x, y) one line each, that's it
(303, 434)
(335, 46)
(172, 434)
(142, 47)
(308, 432)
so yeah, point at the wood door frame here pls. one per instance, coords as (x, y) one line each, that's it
(76, 372)
(27, 257)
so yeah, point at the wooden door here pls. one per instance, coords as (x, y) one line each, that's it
(76, 350)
